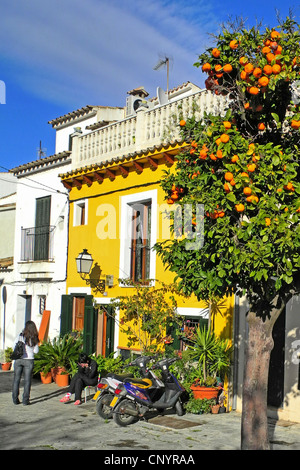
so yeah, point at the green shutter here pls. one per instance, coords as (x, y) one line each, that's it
(90, 326)
(66, 314)
(42, 223)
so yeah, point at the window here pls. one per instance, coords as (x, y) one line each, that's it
(42, 228)
(140, 241)
(80, 213)
(138, 235)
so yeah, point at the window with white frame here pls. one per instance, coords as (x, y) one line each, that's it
(80, 212)
(138, 235)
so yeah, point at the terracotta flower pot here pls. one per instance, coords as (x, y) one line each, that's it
(201, 392)
(215, 409)
(62, 378)
(6, 365)
(46, 378)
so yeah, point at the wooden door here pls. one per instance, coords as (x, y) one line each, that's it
(78, 313)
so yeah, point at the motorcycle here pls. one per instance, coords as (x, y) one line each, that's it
(133, 399)
(107, 385)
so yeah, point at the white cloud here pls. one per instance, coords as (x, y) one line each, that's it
(94, 51)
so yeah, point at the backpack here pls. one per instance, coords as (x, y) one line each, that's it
(18, 351)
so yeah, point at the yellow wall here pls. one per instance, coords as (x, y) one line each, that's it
(106, 252)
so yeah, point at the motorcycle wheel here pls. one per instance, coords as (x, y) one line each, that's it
(124, 419)
(102, 406)
(179, 408)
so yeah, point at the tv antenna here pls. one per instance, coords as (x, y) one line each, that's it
(161, 63)
(41, 151)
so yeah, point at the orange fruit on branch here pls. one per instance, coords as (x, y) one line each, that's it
(233, 44)
(227, 124)
(243, 60)
(257, 72)
(268, 69)
(182, 123)
(251, 167)
(253, 90)
(276, 69)
(263, 81)
(234, 158)
(249, 68)
(247, 191)
(275, 35)
(261, 126)
(206, 67)
(228, 176)
(216, 53)
(227, 68)
(240, 207)
(224, 138)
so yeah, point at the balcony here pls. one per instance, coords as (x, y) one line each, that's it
(147, 128)
(37, 243)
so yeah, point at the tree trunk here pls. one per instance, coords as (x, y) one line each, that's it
(254, 415)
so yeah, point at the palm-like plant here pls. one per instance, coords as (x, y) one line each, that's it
(60, 352)
(212, 353)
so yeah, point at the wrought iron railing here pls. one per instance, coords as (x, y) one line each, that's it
(37, 243)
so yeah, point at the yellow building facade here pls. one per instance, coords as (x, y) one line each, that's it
(117, 214)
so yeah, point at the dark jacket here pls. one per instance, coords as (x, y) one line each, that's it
(90, 372)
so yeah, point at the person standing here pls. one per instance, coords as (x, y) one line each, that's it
(24, 365)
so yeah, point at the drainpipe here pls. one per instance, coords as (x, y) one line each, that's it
(236, 350)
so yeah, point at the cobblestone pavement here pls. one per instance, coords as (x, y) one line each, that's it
(47, 424)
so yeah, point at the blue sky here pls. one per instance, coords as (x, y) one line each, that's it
(59, 55)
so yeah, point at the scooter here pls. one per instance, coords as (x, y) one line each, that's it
(133, 400)
(107, 385)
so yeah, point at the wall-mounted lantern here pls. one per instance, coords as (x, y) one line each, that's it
(91, 276)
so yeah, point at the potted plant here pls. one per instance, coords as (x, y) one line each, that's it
(58, 358)
(6, 365)
(213, 356)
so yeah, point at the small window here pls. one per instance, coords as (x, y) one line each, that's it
(140, 241)
(80, 213)
(42, 304)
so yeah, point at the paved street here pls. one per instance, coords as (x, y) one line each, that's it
(48, 424)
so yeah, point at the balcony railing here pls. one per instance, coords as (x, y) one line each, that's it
(149, 127)
(37, 243)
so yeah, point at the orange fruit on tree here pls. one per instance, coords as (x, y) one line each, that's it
(232, 182)
(244, 175)
(253, 90)
(240, 207)
(268, 221)
(216, 53)
(261, 126)
(270, 57)
(182, 123)
(268, 69)
(247, 106)
(244, 75)
(251, 167)
(249, 68)
(213, 157)
(226, 187)
(234, 158)
(266, 50)
(243, 60)
(233, 44)
(275, 34)
(257, 72)
(206, 67)
(218, 67)
(227, 124)
(295, 124)
(263, 81)
(227, 68)
(194, 144)
(228, 176)
(276, 68)
(247, 191)
(170, 201)
(218, 141)
(219, 154)
(224, 138)
(203, 153)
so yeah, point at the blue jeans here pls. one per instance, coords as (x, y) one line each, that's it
(26, 366)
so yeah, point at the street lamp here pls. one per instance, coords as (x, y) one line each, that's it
(84, 263)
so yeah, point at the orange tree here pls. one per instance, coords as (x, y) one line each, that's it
(243, 168)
